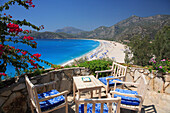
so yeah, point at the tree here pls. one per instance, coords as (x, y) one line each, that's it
(161, 44)
(9, 28)
(141, 48)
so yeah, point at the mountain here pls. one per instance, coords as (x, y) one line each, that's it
(129, 27)
(70, 30)
(50, 35)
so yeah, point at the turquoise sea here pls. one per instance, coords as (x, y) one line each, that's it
(58, 51)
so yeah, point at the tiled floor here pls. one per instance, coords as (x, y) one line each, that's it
(153, 103)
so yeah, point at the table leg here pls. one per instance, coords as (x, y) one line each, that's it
(99, 92)
(78, 94)
(91, 93)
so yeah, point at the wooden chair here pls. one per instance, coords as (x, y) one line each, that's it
(102, 105)
(47, 101)
(118, 72)
(130, 99)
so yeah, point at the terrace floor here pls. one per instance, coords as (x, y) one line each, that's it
(153, 103)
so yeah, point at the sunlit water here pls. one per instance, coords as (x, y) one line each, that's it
(57, 51)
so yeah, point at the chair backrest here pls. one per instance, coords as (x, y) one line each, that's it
(142, 86)
(32, 92)
(112, 103)
(118, 70)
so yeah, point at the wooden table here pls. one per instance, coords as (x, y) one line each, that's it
(80, 85)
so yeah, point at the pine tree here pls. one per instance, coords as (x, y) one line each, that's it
(141, 49)
(161, 44)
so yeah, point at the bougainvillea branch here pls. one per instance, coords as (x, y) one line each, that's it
(21, 59)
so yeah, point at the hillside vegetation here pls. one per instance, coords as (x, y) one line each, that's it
(124, 30)
(50, 35)
(143, 49)
(69, 30)
(129, 27)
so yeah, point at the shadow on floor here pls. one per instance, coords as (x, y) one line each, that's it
(149, 109)
(145, 109)
(62, 110)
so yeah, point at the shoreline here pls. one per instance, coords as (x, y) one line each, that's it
(106, 49)
(82, 56)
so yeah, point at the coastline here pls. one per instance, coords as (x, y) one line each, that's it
(106, 49)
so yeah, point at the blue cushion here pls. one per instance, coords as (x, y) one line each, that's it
(128, 100)
(48, 104)
(90, 106)
(111, 83)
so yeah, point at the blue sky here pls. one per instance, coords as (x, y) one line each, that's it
(86, 14)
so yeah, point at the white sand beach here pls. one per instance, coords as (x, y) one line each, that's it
(107, 49)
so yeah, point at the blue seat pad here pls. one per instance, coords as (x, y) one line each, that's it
(127, 100)
(90, 106)
(111, 83)
(49, 104)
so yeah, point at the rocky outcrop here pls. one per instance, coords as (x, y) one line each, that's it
(156, 82)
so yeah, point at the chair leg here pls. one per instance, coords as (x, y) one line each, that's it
(77, 108)
(66, 102)
(32, 109)
(140, 106)
(139, 109)
(66, 107)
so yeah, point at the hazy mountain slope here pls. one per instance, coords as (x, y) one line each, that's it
(129, 27)
(70, 30)
(50, 35)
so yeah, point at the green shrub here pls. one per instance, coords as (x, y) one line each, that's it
(56, 66)
(161, 66)
(97, 65)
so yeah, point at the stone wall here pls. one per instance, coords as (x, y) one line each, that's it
(156, 81)
(14, 98)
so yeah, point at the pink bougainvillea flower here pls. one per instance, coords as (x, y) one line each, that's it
(33, 6)
(163, 60)
(37, 55)
(27, 31)
(24, 53)
(160, 67)
(14, 28)
(1, 46)
(18, 50)
(34, 42)
(35, 65)
(1, 49)
(3, 74)
(28, 38)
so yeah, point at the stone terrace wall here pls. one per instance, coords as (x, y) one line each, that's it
(14, 98)
(157, 82)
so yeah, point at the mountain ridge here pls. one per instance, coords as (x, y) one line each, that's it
(69, 30)
(123, 30)
(129, 27)
(50, 35)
